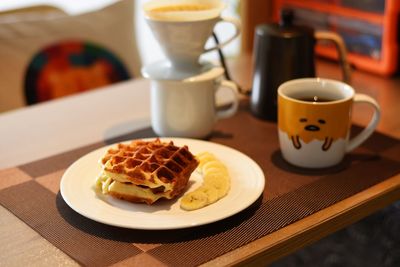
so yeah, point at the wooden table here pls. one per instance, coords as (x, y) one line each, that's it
(44, 130)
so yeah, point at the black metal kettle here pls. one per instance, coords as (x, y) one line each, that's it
(284, 52)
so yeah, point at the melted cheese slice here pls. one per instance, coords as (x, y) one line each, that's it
(123, 178)
(121, 186)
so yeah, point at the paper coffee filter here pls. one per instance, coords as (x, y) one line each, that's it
(156, 9)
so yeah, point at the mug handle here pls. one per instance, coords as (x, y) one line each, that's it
(361, 137)
(225, 113)
(236, 24)
(341, 48)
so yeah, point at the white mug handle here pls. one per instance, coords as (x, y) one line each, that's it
(225, 113)
(361, 137)
(236, 24)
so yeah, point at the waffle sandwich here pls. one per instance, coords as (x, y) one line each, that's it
(145, 171)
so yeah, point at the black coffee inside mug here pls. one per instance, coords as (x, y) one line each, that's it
(315, 96)
(316, 99)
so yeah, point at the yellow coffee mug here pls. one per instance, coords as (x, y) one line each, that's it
(314, 119)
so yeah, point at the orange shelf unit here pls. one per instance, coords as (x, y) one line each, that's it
(369, 29)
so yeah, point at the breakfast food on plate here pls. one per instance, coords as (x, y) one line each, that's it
(216, 183)
(145, 171)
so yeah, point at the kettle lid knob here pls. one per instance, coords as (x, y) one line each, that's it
(286, 29)
(286, 17)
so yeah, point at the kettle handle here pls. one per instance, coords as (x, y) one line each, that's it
(341, 48)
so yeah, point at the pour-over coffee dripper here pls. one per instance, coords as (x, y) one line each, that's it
(182, 34)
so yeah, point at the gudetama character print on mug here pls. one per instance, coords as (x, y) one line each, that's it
(315, 134)
(319, 121)
(312, 127)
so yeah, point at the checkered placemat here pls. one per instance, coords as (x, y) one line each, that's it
(31, 192)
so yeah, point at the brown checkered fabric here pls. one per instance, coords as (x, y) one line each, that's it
(31, 192)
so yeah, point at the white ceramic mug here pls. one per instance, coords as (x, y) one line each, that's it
(187, 108)
(182, 28)
(315, 133)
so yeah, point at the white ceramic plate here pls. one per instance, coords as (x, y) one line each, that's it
(247, 184)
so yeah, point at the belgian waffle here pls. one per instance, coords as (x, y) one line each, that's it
(144, 171)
